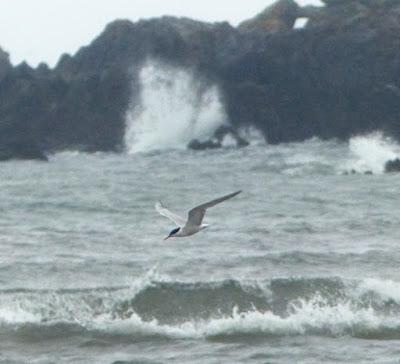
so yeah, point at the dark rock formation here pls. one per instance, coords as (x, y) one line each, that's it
(278, 17)
(208, 144)
(5, 65)
(392, 166)
(327, 80)
(218, 139)
(81, 104)
(337, 77)
(224, 131)
(21, 149)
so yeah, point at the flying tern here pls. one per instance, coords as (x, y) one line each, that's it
(194, 222)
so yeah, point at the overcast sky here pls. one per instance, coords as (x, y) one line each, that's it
(41, 30)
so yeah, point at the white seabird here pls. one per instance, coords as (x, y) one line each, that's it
(193, 224)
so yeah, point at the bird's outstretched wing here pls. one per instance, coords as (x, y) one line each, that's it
(196, 215)
(179, 221)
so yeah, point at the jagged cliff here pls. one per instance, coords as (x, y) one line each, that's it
(336, 77)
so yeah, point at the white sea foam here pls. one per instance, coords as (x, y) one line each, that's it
(307, 317)
(316, 316)
(383, 290)
(17, 315)
(175, 107)
(371, 152)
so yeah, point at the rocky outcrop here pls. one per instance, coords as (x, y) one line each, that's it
(278, 17)
(392, 166)
(81, 104)
(217, 142)
(196, 144)
(21, 149)
(337, 77)
(5, 65)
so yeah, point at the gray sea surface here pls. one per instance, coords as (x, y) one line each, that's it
(302, 267)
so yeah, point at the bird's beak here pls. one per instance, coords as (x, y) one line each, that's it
(167, 237)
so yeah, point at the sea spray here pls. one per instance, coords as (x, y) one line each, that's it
(175, 107)
(382, 291)
(312, 312)
(371, 152)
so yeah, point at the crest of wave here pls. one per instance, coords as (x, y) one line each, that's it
(314, 317)
(371, 152)
(175, 107)
(381, 290)
(96, 311)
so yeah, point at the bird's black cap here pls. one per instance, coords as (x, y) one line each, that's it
(173, 232)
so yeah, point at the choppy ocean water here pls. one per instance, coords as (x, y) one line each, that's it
(302, 267)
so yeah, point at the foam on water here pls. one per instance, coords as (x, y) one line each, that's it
(384, 290)
(315, 316)
(17, 315)
(95, 311)
(88, 221)
(175, 107)
(307, 317)
(371, 152)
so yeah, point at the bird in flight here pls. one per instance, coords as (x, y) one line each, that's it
(194, 222)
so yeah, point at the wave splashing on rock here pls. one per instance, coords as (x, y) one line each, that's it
(175, 107)
(371, 153)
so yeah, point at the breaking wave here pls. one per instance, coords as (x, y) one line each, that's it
(213, 310)
(371, 152)
(175, 107)
(362, 154)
